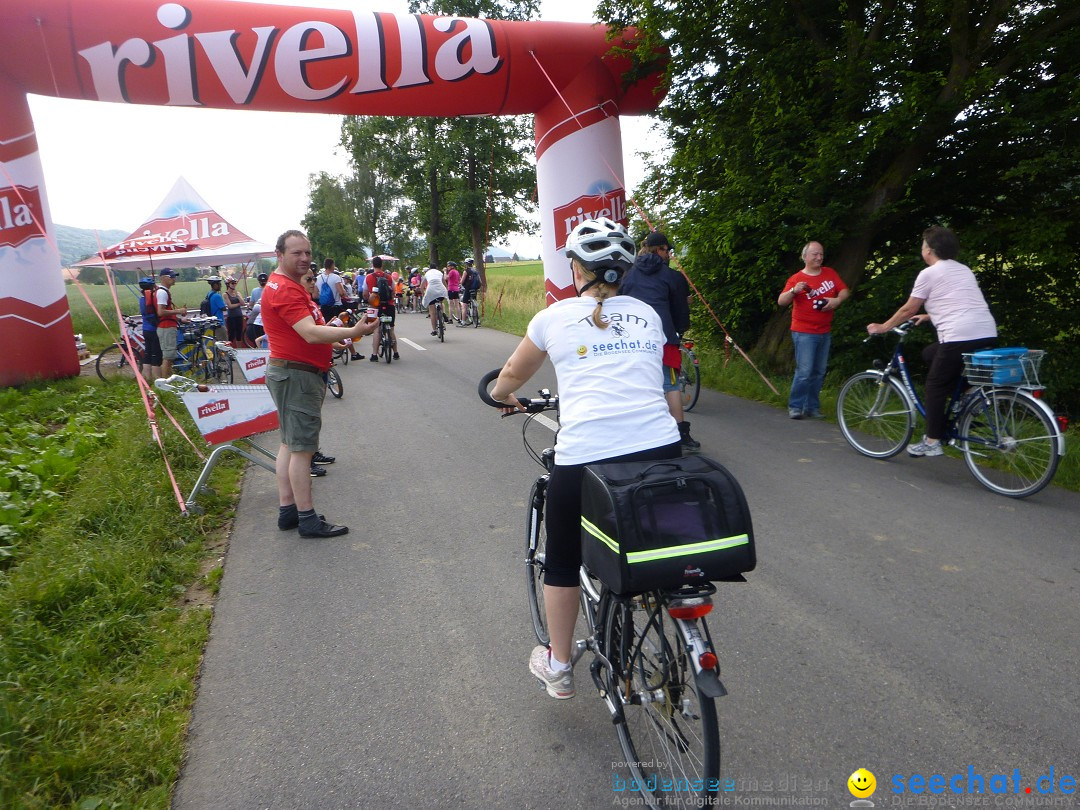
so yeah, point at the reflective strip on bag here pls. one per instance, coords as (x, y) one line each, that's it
(666, 553)
(592, 529)
(682, 551)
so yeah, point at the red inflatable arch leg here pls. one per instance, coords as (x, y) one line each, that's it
(36, 338)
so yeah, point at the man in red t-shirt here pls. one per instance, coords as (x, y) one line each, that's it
(300, 355)
(813, 293)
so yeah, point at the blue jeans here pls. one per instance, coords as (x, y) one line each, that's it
(811, 360)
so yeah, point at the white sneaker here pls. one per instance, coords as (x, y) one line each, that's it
(560, 685)
(925, 448)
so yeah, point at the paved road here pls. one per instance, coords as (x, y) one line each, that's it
(902, 619)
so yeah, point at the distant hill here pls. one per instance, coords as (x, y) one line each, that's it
(78, 243)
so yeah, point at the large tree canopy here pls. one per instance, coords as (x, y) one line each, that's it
(859, 124)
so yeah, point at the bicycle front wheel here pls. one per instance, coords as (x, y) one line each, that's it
(333, 382)
(223, 366)
(670, 736)
(874, 415)
(112, 364)
(1010, 444)
(689, 381)
(535, 558)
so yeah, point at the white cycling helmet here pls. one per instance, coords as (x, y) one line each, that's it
(600, 243)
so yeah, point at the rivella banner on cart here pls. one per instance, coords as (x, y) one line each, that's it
(213, 53)
(229, 412)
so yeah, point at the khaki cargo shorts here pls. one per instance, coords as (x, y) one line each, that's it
(299, 397)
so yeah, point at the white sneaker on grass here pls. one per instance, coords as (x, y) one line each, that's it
(560, 685)
(925, 448)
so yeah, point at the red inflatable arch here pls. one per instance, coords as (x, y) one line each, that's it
(237, 55)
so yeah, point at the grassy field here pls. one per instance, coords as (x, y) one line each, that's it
(104, 592)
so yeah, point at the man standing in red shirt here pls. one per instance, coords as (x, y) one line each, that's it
(300, 355)
(813, 294)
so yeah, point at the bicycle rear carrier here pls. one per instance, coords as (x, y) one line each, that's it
(1013, 367)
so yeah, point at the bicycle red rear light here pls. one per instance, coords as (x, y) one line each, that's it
(688, 344)
(690, 608)
(1063, 422)
(707, 660)
(1037, 393)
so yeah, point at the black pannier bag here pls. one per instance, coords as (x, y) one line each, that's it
(662, 524)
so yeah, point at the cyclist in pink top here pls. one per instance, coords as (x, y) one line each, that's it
(453, 289)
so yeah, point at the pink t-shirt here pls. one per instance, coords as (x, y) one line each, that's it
(954, 302)
(453, 280)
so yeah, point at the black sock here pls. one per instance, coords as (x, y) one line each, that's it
(286, 512)
(308, 519)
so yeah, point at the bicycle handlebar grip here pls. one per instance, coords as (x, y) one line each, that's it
(482, 390)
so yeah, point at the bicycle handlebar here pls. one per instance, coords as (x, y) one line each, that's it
(546, 402)
(900, 329)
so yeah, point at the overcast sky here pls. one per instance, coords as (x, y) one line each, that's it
(108, 166)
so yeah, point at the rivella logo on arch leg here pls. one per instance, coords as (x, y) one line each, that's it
(610, 204)
(21, 216)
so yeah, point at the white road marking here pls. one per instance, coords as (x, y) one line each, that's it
(416, 346)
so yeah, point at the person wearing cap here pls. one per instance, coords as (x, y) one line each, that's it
(256, 294)
(813, 294)
(168, 319)
(148, 311)
(234, 314)
(300, 355)
(329, 277)
(652, 280)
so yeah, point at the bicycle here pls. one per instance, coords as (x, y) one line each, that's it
(333, 381)
(113, 362)
(1011, 440)
(440, 322)
(472, 311)
(654, 663)
(386, 343)
(196, 351)
(689, 376)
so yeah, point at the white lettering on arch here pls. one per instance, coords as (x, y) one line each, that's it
(107, 66)
(450, 64)
(292, 56)
(220, 48)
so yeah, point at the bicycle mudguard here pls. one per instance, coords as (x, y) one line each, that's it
(709, 683)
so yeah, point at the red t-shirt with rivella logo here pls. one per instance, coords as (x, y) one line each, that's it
(284, 304)
(804, 318)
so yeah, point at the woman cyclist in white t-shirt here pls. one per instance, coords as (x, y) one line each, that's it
(607, 351)
(955, 306)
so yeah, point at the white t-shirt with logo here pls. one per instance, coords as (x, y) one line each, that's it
(954, 302)
(611, 397)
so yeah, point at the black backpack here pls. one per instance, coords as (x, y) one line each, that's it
(204, 307)
(385, 291)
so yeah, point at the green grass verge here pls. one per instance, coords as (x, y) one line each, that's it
(99, 643)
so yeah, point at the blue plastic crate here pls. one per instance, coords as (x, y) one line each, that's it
(996, 367)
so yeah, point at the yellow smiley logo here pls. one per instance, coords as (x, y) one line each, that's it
(861, 783)
(582, 351)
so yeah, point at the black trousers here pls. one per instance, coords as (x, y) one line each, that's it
(946, 363)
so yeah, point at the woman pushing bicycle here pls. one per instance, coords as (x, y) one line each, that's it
(607, 352)
(955, 306)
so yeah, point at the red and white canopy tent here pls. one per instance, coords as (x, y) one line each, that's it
(185, 216)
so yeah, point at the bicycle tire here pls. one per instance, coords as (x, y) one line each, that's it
(535, 557)
(875, 415)
(441, 323)
(333, 382)
(222, 365)
(1010, 444)
(385, 349)
(689, 380)
(112, 364)
(670, 735)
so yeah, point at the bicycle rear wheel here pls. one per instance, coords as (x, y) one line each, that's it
(442, 324)
(535, 558)
(689, 380)
(670, 737)
(386, 350)
(333, 382)
(112, 364)
(1010, 444)
(874, 415)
